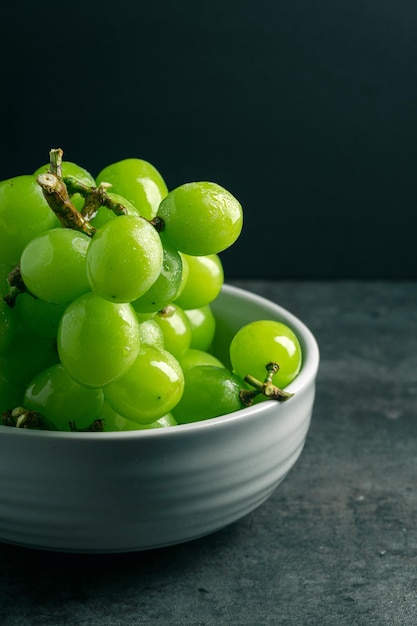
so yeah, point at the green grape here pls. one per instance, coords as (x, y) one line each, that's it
(201, 218)
(124, 259)
(176, 329)
(203, 327)
(27, 355)
(204, 282)
(98, 340)
(104, 214)
(113, 422)
(266, 341)
(56, 395)
(81, 175)
(150, 388)
(24, 213)
(138, 181)
(53, 265)
(195, 357)
(8, 326)
(208, 392)
(39, 317)
(151, 334)
(165, 288)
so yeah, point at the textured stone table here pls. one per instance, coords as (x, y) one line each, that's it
(335, 545)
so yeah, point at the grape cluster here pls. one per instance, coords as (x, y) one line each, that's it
(105, 311)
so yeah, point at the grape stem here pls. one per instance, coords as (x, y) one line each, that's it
(20, 417)
(16, 285)
(56, 194)
(58, 189)
(94, 197)
(266, 388)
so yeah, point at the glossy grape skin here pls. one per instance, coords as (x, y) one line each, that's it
(24, 213)
(149, 389)
(201, 218)
(124, 259)
(208, 392)
(39, 317)
(195, 357)
(176, 329)
(203, 327)
(264, 341)
(56, 395)
(70, 169)
(204, 281)
(164, 290)
(151, 334)
(138, 181)
(53, 265)
(98, 340)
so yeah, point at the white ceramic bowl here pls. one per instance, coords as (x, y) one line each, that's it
(129, 491)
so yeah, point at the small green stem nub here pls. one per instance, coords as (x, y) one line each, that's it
(55, 161)
(266, 387)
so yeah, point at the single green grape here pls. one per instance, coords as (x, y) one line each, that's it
(138, 181)
(116, 423)
(176, 329)
(151, 334)
(98, 340)
(150, 388)
(56, 395)
(201, 218)
(104, 214)
(53, 265)
(266, 341)
(39, 317)
(203, 327)
(164, 290)
(70, 169)
(8, 326)
(204, 281)
(195, 357)
(24, 213)
(124, 259)
(208, 392)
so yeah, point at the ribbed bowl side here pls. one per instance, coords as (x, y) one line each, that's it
(115, 492)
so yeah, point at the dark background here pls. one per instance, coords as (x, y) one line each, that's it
(305, 110)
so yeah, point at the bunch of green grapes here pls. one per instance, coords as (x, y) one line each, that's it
(106, 290)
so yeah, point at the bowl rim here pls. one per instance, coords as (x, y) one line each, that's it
(305, 377)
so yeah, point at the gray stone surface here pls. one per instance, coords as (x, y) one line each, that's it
(335, 545)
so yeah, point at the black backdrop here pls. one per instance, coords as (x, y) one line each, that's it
(305, 110)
